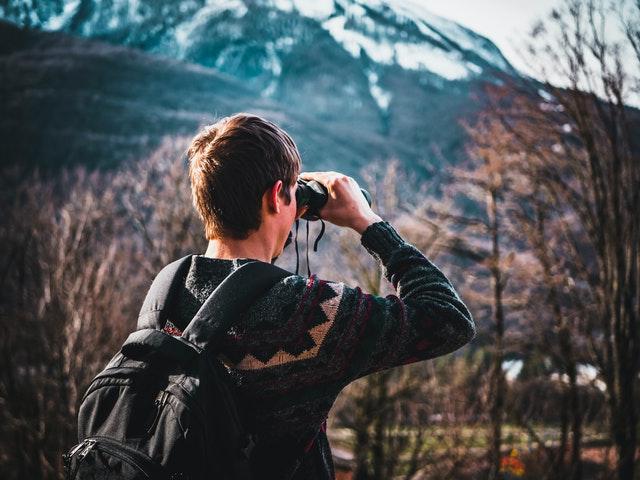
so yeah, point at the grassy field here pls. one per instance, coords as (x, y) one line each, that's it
(467, 446)
(478, 436)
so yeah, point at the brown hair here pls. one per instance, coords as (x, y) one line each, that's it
(231, 164)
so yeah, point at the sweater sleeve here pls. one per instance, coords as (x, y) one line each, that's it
(425, 319)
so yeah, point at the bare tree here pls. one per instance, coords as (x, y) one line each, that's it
(64, 276)
(79, 251)
(579, 140)
(414, 421)
(474, 206)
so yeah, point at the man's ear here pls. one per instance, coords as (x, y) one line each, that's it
(273, 197)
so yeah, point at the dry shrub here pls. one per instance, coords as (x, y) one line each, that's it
(79, 251)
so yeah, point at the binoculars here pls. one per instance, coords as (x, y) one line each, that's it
(315, 195)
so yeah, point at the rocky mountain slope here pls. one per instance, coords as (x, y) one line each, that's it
(357, 80)
(65, 101)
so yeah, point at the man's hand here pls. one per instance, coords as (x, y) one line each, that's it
(347, 206)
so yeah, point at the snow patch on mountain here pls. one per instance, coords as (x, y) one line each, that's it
(408, 55)
(430, 24)
(415, 56)
(317, 9)
(381, 96)
(352, 26)
(477, 69)
(57, 22)
(353, 41)
(184, 31)
(388, 32)
(273, 63)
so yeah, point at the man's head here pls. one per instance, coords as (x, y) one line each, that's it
(243, 168)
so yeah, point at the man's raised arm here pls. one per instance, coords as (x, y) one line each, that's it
(424, 319)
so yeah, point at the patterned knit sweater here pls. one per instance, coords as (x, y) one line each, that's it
(299, 345)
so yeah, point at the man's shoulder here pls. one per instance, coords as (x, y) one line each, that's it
(303, 292)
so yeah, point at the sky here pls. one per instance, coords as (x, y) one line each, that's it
(504, 22)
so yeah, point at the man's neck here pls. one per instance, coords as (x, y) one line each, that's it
(252, 247)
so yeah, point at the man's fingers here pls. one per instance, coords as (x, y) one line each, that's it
(312, 175)
(322, 177)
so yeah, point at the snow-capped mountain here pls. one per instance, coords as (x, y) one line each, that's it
(254, 39)
(380, 67)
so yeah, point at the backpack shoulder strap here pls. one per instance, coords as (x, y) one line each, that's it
(234, 295)
(155, 309)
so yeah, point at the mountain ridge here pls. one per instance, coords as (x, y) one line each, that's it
(364, 69)
(77, 101)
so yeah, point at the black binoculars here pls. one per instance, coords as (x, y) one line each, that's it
(315, 195)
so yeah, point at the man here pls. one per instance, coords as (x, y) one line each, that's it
(294, 350)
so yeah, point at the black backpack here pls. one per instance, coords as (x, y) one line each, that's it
(164, 407)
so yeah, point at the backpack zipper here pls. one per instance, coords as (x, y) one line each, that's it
(159, 403)
(90, 444)
(77, 447)
(84, 448)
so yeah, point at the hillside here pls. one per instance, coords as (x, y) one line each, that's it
(69, 100)
(354, 81)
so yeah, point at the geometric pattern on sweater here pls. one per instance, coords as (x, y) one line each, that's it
(322, 317)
